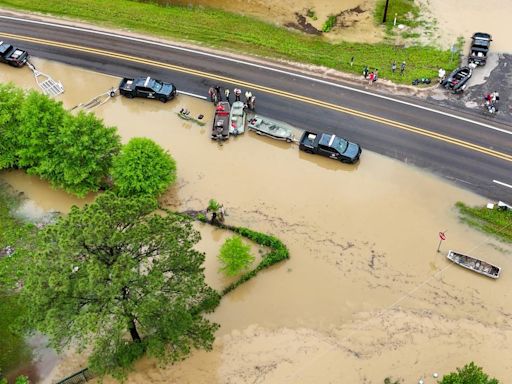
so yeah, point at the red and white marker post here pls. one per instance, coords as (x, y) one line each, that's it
(442, 237)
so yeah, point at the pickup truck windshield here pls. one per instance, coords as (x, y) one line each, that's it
(156, 86)
(339, 144)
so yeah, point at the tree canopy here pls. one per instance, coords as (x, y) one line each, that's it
(143, 168)
(235, 256)
(120, 279)
(469, 374)
(11, 100)
(37, 134)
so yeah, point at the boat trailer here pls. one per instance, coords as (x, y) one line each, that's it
(49, 86)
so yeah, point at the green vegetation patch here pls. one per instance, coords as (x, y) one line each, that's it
(406, 11)
(329, 23)
(492, 221)
(226, 30)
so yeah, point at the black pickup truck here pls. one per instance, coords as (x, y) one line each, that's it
(11, 55)
(148, 88)
(331, 146)
(480, 45)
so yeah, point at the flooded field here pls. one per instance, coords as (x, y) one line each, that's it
(364, 296)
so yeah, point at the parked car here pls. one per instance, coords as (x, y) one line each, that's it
(457, 80)
(148, 88)
(480, 44)
(13, 56)
(331, 146)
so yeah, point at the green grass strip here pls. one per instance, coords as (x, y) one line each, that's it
(495, 222)
(219, 29)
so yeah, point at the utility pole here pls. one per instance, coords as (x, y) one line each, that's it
(385, 11)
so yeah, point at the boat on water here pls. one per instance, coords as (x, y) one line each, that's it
(220, 128)
(237, 118)
(271, 128)
(474, 264)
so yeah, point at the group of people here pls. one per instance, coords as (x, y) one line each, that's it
(215, 94)
(491, 101)
(373, 76)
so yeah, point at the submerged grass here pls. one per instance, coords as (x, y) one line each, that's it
(492, 221)
(220, 29)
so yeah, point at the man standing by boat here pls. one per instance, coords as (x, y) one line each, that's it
(238, 93)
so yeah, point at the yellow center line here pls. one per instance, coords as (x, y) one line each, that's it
(285, 94)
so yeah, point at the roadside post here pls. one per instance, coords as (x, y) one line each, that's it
(442, 237)
(453, 49)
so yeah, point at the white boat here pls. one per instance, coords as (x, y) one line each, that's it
(473, 264)
(237, 118)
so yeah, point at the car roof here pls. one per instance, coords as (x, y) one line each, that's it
(326, 139)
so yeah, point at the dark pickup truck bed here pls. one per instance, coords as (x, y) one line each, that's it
(331, 146)
(11, 55)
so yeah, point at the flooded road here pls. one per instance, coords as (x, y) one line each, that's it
(364, 296)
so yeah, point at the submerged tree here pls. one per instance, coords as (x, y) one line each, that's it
(235, 256)
(121, 280)
(469, 374)
(143, 168)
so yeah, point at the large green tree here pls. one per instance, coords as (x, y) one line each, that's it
(82, 155)
(143, 168)
(120, 279)
(469, 374)
(11, 100)
(37, 134)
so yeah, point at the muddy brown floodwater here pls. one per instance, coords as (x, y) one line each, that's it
(364, 295)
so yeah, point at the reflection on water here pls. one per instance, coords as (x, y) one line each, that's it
(358, 300)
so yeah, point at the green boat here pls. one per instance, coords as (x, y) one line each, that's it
(237, 118)
(271, 128)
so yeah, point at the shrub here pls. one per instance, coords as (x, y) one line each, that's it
(329, 23)
(469, 374)
(143, 168)
(235, 256)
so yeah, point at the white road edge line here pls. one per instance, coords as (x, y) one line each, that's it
(502, 183)
(192, 94)
(178, 48)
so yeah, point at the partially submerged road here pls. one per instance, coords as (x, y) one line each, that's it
(471, 152)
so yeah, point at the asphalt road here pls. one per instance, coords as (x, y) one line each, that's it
(463, 151)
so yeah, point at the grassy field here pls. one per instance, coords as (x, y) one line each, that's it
(219, 29)
(493, 221)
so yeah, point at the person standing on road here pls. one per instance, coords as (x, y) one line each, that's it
(219, 93)
(238, 93)
(211, 93)
(226, 93)
(251, 103)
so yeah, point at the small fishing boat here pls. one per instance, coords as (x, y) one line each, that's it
(237, 118)
(220, 128)
(473, 264)
(271, 128)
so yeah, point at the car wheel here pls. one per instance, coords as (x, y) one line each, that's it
(112, 93)
(129, 95)
(288, 140)
(163, 100)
